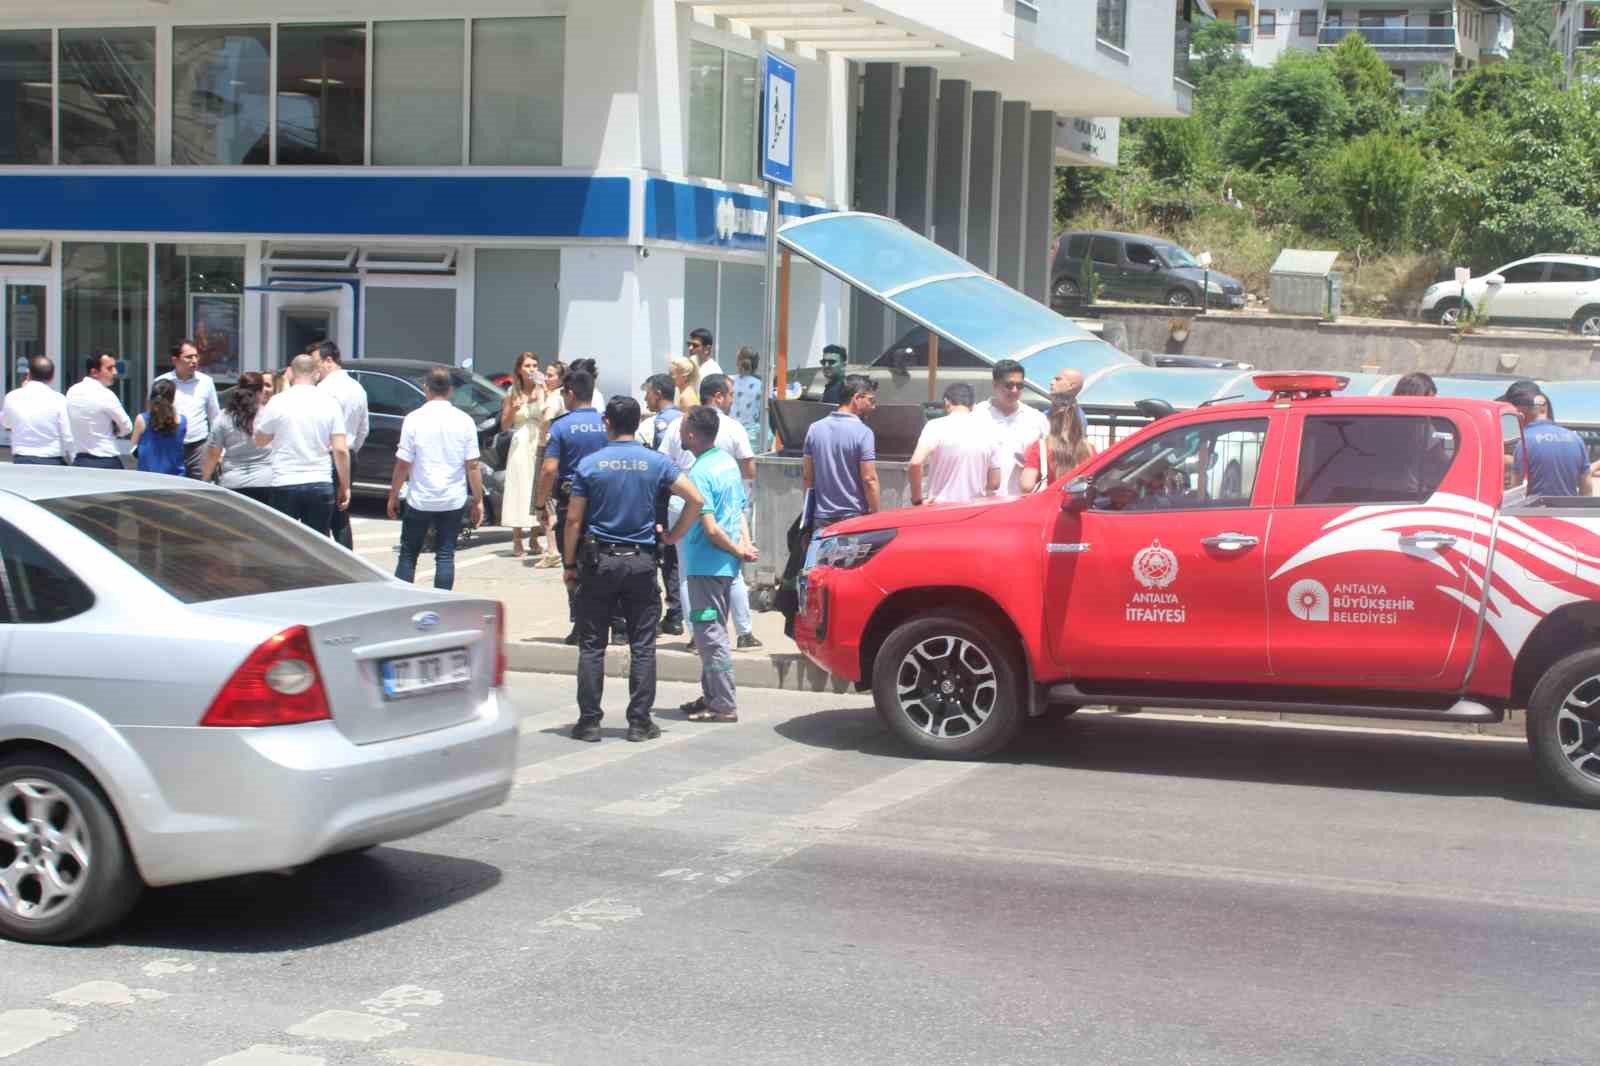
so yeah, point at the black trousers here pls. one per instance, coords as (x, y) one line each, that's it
(618, 623)
(667, 554)
(194, 454)
(625, 584)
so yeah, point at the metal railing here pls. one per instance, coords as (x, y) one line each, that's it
(1393, 36)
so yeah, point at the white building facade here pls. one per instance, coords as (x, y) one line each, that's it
(464, 182)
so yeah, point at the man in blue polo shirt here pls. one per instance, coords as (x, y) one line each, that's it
(710, 557)
(1557, 461)
(573, 436)
(612, 568)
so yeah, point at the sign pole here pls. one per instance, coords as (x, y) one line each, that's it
(769, 319)
(777, 169)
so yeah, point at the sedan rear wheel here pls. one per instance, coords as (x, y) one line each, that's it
(1587, 322)
(1448, 313)
(948, 688)
(65, 872)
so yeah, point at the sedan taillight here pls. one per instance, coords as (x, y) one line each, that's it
(277, 685)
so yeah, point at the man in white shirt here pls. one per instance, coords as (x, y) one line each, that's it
(438, 455)
(962, 459)
(196, 401)
(1013, 423)
(303, 427)
(352, 400)
(36, 416)
(717, 391)
(703, 351)
(97, 416)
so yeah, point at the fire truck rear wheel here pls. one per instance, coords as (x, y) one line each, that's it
(1564, 727)
(948, 687)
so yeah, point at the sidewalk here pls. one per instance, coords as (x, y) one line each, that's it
(536, 626)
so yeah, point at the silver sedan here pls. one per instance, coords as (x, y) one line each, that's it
(192, 686)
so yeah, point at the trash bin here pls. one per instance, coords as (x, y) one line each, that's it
(1305, 283)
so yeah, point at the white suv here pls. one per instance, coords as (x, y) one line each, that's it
(1542, 290)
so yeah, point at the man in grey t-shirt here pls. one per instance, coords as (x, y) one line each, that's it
(841, 457)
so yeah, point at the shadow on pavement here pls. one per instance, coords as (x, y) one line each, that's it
(1235, 751)
(338, 898)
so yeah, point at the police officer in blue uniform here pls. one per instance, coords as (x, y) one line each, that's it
(611, 565)
(573, 435)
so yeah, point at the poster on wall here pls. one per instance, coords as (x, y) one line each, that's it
(214, 327)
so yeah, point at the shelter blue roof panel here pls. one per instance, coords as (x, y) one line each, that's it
(875, 253)
(965, 310)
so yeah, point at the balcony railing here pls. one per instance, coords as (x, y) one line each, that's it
(1393, 36)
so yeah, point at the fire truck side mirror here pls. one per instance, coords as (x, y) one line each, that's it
(1075, 495)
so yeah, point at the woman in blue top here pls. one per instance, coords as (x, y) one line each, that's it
(158, 433)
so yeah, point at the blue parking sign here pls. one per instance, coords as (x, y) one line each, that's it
(777, 124)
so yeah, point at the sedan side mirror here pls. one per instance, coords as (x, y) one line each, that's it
(1075, 495)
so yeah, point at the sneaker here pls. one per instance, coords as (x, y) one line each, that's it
(748, 640)
(587, 731)
(696, 704)
(572, 638)
(638, 731)
(672, 627)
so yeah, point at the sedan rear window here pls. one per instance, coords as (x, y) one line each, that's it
(199, 545)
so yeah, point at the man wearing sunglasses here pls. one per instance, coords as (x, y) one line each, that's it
(833, 362)
(1015, 425)
(702, 349)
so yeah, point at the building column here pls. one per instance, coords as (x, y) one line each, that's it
(877, 157)
(983, 183)
(1011, 224)
(625, 84)
(1038, 221)
(919, 140)
(953, 174)
(622, 307)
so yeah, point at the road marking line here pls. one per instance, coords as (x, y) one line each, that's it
(476, 560)
(402, 996)
(168, 967)
(23, 1029)
(594, 915)
(673, 797)
(267, 1055)
(414, 1056)
(347, 1025)
(596, 756)
(105, 994)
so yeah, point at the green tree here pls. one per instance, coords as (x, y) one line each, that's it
(1215, 49)
(1369, 86)
(1379, 177)
(1173, 149)
(1286, 115)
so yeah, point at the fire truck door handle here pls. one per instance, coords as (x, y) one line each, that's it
(1428, 541)
(1231, 542)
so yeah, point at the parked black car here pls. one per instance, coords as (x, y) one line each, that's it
(1130, 266)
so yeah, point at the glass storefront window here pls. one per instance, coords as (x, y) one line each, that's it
(25, 97)
(518, 67)
(699, 299)
(108, 97)
(742, 106)
(105, 301)
(219, 94)
(322, 94)
(200, 296)
(740, 323)
(705, 110)
(417, 71)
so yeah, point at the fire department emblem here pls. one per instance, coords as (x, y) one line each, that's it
(1155, 567)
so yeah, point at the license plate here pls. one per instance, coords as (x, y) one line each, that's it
(416, 675)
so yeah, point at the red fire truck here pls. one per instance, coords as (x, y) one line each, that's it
(1377, 557)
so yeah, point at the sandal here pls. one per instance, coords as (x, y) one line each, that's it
(708, 715)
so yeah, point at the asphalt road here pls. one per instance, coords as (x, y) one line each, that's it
(791, 889)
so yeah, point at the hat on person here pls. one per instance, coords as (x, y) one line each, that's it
(1520, 394)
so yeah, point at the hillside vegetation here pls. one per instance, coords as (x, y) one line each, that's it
(1316, 152)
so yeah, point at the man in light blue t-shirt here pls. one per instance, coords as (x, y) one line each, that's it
(710, 555)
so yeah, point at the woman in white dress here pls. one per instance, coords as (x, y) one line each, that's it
(523, 414)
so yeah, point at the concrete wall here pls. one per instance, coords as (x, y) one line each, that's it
(1284, 342)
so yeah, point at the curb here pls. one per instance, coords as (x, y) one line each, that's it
(795, 673)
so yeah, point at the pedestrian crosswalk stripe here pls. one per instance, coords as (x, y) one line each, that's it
(267, 1055)
(598, 755)
(411, 1056)
(23, 1029)
(669, 799)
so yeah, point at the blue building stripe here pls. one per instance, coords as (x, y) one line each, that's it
(679, 211)
(388, 205)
